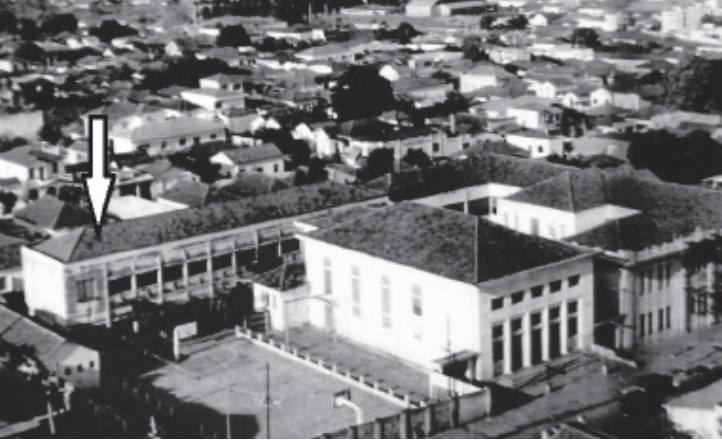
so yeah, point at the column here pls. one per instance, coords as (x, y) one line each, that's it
(234, 259)
(507, 346)
(545, 334)
(563, 329)
(627, 308)
(160, 279)
(133, 282)
(526, 340)
(209, 269)
(108, 312)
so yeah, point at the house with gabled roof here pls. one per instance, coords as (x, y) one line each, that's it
(53, 216)
(263, 158)
(166, 137)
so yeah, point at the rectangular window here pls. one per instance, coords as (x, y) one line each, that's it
(660, 276)
(534, 228)
(554, 313)
(669, 317)
(417, 306)
(537, 291)
(355, 291)
(642, 325)
(660, 320)
(492, 205)
(182, 141)
(145, 279)
(385, 302)
(555, 286)
(197, 267)
(641, 285)
(573, 280)
(650, 323)
(650, 280)
(118, 285)
(497, 335)
(31, 173)
(86, 290)
(517, 297)
(327, 276)
(221, 262)
(3, 284)
(497, 303)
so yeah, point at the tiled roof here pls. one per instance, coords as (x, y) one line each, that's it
(568, 191)
(162, 228)
(442, 242)
(24, 155)
(252, 154)
(51, 213)
(189, 193)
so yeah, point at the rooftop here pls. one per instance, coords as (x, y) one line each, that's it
(51, 213)
(400, 233)
(162, 228)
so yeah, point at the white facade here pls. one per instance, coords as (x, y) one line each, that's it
(422, 317)
(538, 145)
(471, 81)
(600, 97)
(210, 100)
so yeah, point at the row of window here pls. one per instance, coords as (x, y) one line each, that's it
(655, 277)
(646, 321)
(536, 331)
(69, 370)
(536, 292)
(416, 296)
(182, 141)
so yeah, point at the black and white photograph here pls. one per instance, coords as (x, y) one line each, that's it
(364, 219)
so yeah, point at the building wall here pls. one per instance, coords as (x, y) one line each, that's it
(448, 320)
(44, 293)
(537, 147)
(167, 145)
(470, 82)
(539, 279)
(10, 169)
(81, 368)
(552, 223)
(526, 118)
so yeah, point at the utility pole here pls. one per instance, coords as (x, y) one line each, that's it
(268, 400)
(228, 412)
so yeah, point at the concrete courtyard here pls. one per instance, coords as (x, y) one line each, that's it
(229, 375)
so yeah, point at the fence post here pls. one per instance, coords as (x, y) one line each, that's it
(404, 424)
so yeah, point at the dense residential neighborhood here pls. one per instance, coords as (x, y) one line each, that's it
(361, 219)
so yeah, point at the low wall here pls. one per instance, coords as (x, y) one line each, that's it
(329, 368)
(451, 385)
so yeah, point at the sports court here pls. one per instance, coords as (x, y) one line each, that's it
(301, 397)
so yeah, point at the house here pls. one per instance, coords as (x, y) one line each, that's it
(165, 175)
(186, 194)
(562, 51)
(263, 158)
(537, 143)
(125, 115)
(422, 91)
(445, 303)
(175, 256)
(167, 136)
(628, 100)
(600, 97)
(77, 364)
(534, 113)
(420, 8)
(538, 20)
(11, 274)
(215, 99)
(508, 54)
(53, 216)
(223, 81)
(698, 412)
(480, 76)
(31, 165)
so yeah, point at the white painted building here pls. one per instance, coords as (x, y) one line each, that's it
(380, 279)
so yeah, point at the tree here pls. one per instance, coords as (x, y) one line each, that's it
(70, 194)
(110, 29)
(300, 152)
(361, 93)
(405, 32)
(58, 23)
(472, 48)
(585, 37)
(417, 158)
(29, 52)
(51, 131)
(694, 85)
(233, 36)
(379, 162)
(8, 201)
(28, 29)
(8, 22)
(8, 143)
(687, 159)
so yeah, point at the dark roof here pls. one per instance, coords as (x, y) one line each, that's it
(51, 213)
(177, 225)
(568, 191)
(478, 168)
(667, 211)
(442, 242)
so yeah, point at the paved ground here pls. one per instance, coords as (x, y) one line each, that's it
(301, 398)
(374, 365)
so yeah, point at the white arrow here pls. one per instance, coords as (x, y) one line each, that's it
(99, 183)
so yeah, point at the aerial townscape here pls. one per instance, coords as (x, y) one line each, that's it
(361, 219)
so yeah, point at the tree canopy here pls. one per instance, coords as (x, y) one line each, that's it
(694, 85)
(233, 36)
(58, 23)
(687, 159)
(110, 29)
(361, 93)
